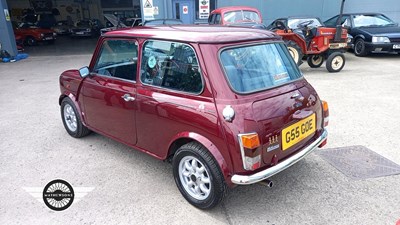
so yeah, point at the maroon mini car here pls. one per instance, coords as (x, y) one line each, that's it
(226, 105)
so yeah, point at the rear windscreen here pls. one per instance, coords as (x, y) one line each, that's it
(258, 67)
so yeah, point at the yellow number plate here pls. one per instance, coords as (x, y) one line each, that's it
(293, 134)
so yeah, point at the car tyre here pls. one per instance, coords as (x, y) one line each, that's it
(71, 119)
(359, 48)
(295, 51)
(30, 41)
(335, 62)
(198, 176)
(315, 61)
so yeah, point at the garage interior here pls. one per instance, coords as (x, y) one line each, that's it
(46, 13)
(74, 9)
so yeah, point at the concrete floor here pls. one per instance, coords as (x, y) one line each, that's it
(132, 187)
(64, 45)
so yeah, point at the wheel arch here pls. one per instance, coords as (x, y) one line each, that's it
(296, 39)
(186, 137)
(358, 37)
(77, 106)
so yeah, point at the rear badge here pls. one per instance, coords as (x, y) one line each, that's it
(273, 143)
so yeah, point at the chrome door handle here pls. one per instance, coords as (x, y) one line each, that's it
(128, 98)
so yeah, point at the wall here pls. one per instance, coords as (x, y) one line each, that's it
(390, 8)
(164, 8)
(16, 7)
(273, 9)
(68, 8)
(18, 4)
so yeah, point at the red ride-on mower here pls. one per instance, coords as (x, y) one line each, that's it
(307, 37)
(316, 43)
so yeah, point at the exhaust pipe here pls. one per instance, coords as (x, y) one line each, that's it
(267, 183)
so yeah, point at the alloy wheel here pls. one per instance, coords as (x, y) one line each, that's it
(70, 118)
(194, 177)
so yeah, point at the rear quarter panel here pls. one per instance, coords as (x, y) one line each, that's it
(245, 117)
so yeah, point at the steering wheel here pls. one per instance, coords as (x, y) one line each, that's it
(305, 23)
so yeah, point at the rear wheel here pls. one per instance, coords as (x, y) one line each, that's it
(295, 51)
(198, 176)
(335, 62)
(315, 61)
(359, 47)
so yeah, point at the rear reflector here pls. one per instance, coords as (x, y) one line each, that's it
(252, 163)
(326, 121)
(323, 143)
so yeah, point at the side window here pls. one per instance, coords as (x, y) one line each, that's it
(118, 58)
(331, 22)
(345, 21)
(218, 19)
(170, 65)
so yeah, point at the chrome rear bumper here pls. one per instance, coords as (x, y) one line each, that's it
(262, 175)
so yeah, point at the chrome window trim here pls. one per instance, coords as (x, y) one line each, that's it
(166, 88)
(92, 73)
(259, 90)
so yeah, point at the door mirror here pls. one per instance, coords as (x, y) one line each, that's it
(84, 71)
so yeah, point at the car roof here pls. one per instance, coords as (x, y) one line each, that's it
(298, 17)
(234, 8)
(196, 33)
(303, 17)
(163, 21)
(133, 18)
(363, 13)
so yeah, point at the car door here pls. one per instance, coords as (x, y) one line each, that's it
(109, 92)
(171, 99)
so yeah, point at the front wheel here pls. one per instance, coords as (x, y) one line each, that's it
(198, 176)
(71, 119)
(335, 62)
(315, 61)
(30, 41)
(359, 48)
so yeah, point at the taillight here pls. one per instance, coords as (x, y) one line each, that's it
(325, 109)
(250, 150)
